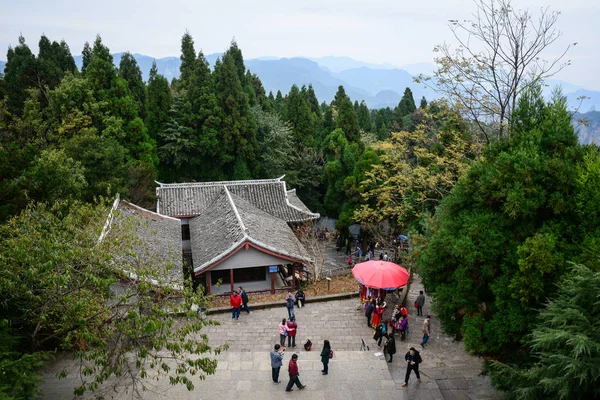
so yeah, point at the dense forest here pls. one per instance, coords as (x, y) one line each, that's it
(77, 135)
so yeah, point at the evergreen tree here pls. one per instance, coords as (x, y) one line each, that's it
(238, 128)
(48, 71)
(346, 120)
(130, 71)
(313, 101)
(339, 96)
(19, 76)
(298, 114)
(206, 119)
(100, 72)
(86, 57)
(565, 343)
(364, 117)
(188, 61)
(159, 102)
(405, 108)
(238, 59)
(279, 101)
(522, 205)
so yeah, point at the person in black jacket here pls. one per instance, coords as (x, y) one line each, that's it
(300, 298)
(413, 359)
(325, 353)
(390, 347)
(244, 299)
(369, 308)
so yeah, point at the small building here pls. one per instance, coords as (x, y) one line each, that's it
(235, 232)
(148, 246)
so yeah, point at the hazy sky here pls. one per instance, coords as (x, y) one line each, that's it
(375, 31)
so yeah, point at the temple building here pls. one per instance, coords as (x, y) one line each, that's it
(238, 232)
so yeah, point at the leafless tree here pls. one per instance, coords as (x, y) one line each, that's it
(499, 53)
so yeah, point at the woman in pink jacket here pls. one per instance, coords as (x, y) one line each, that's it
(283, 332)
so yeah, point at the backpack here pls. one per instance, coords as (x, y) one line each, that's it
(307, 345)
(330, 353)
(290, 302)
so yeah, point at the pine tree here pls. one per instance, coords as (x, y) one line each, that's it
(130, 71)
(86, 57)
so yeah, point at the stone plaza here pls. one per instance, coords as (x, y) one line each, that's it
(244, 371)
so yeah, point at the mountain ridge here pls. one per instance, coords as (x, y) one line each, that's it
(379, 85)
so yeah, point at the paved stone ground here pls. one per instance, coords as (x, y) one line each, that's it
(244, 370)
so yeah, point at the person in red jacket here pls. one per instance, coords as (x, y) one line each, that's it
(292, 326)
(294, 374)
(235, 301)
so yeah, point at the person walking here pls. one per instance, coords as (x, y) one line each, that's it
(326, 354)
(292, 326)
(413, 359)
(426, 330)
(244, 297)
(235, 301)
(276, 362)
(282, 332)
(369, 308)
(390, 347)
(289, 303)
(419, 303)
(294, 374)
(403, 327)
(380, 333)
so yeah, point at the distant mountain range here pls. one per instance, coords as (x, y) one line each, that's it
(379, 85)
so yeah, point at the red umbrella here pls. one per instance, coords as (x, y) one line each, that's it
(380, 274)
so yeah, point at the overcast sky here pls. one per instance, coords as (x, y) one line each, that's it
(375, 31)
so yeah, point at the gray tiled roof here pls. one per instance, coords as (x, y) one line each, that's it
(191, 199)
(295, 200)
(229, 222)
(157, 241)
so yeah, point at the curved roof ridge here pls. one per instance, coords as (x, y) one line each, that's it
(235, 210)
(220, 183)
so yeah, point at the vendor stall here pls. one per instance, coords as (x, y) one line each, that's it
(377, 276)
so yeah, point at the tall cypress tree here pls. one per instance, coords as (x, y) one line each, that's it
(159, 102)
(313, 101)
(188, 60)
(130, 71)
(20, 75)
(86, 57)
(364, 117)
(346, 120)
(238, 128)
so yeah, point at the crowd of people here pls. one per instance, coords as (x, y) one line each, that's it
(374, 306)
